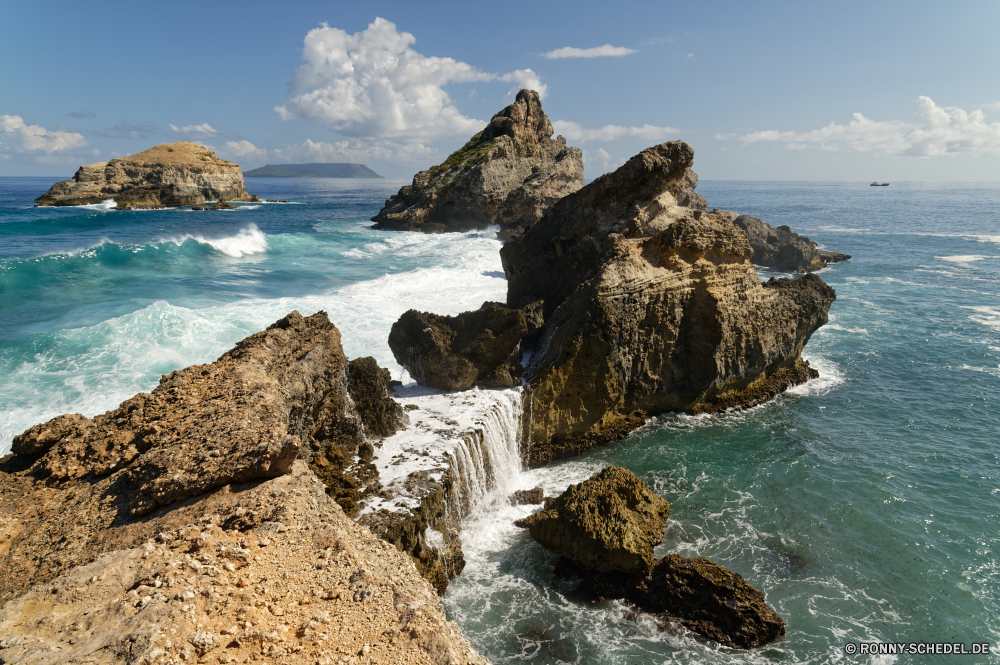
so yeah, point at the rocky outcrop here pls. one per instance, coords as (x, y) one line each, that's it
(783, 249)
(171, 174)
(650, 307)
(507, 174)
(457, 352)
(610, 522)
(189, 521)
(605, 529)
(639, 305)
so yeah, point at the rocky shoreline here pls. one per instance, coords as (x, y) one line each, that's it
(156, 532)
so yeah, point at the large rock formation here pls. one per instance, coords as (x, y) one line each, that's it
(605, 528)
(171, 174)
(782, 248)
(507, 174)
(650, 307)
(190, 521)
(611, 521)
(641, 306)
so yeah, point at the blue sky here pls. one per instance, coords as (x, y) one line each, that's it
(763, 91)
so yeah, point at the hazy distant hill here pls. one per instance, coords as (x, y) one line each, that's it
(312, 171)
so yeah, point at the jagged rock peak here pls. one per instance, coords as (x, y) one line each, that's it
(507, 174)
(170, 174)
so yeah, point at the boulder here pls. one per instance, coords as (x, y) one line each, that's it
(709, 600)
(532, 497)
(507, 174)
(783, 249)
(171, 174)
(650, 307)
(610, 522)
(458, 352)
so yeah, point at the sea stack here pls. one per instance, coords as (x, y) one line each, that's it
(167, 175)
(649, 306)
(508, 174)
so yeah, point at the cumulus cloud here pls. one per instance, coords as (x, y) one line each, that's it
(597, 52)
(196, 132)
(125, 130)
(525, 78)
(373, 85)
(20, 137)
(574, 131)
(600, 161)
(321, 151)
(934, 130)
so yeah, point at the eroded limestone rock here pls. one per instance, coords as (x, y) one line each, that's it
(611, 521)
(458, 352)
(783, 249)
(650, 307)
(507, 174)
(171, 174)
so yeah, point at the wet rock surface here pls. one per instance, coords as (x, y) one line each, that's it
(605, 529)
(611, 521)
(171, 174)
(507, 174)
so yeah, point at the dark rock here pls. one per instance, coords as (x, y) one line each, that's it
(507, 174)
(457, 352)
(532, 497)
(368, 385)
(222, 204)
(783, 249)
(610, 522)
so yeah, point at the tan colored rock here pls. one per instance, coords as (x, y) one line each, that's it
(507, 174)
(611, 521)
(171, 174)
(189, 523)
(650, 307)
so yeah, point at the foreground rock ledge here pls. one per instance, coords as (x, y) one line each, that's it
(507, 174)
(188, 523)
(171, 174)
(605, 529)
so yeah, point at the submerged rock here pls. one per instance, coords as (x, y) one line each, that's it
(171, 174)
(610, 522)
(507, 174)
(783, 249)
(458, 352)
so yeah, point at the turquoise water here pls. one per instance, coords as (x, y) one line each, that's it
(864, 503)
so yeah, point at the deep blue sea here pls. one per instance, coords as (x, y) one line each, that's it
(864, 503)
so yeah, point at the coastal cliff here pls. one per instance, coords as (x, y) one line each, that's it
(191, 521)
(507, 174)
(649, 306)
(781, 248)
(171, 174)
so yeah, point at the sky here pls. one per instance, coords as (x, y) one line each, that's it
(846, 91)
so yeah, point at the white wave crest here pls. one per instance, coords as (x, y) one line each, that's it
(250, 240)
(986, 316)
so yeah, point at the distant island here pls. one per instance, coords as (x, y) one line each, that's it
(312, 171)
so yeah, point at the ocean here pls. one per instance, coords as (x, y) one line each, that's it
(864, 503)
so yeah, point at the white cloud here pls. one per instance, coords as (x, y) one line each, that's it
(372, 85)
(202, 131)
(36, 139)
(244, 149)
(596, 52)
(574, 131)
(598, 162)
(934, 130)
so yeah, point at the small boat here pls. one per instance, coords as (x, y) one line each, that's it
(879, 184)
